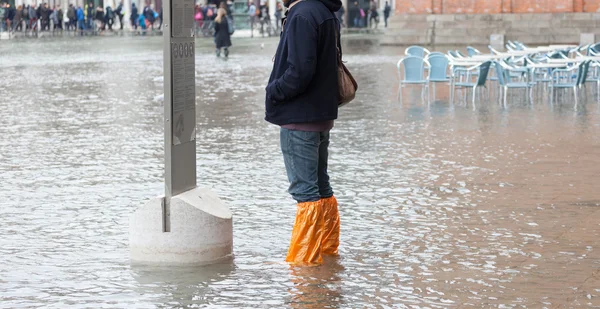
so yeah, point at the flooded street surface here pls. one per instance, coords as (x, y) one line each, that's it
(442, 206)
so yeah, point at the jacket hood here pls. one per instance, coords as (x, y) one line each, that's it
(332, 5)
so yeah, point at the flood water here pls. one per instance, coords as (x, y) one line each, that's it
(442, 205)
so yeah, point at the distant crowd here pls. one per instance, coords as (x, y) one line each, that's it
(367, 16)
(86, 18)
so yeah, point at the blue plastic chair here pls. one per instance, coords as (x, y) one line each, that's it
(461, 54)
(493, 50)
(435, 54)
(564, 78)
(482, 71)
(519, 45)
(412, 67)
(595, 76)
(472, 51)
(595, 48)
(438, 69)
(418, 51)
(452, 54)
(504, 79)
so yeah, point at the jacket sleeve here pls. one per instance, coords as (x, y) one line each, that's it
(302, 61)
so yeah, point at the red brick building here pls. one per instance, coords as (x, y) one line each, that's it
(495, 6)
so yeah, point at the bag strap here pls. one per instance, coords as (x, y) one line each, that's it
(338, 43)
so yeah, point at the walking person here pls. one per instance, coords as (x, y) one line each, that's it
(81, 19)
(278, 15)
(33, 18)
(90, 14)
(386, 13)
(252, 16)
(100, 19)
(222, 33)
(134, 16)
(354, 15)
(119, 12)
(373, 15)
(72, 16)
(18, 20)
(26, 17)
(45, 17)
(149, 17)
(57, 17)
(302, 98)
(3, 14)
(160, 17)
(109, 17)
(10, 17)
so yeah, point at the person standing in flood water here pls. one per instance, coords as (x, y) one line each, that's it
(222, 36)
(302, 98)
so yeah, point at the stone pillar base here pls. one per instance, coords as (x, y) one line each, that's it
(201, 231)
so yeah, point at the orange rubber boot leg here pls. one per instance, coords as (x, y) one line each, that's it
(331, 230)
(305, 246)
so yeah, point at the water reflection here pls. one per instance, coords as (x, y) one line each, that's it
(317, 287)
(181, 287)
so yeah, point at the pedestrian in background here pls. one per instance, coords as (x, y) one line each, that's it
(386, 13)
(81, 19)
(134, 16)
(149, 17)
(2, 16)
(33, 18)
(222, 35)
(10, 17)
(57, 17)
(26, 17)
(109, 17)
(90, 15)
(142, 22)
(44, 12)
(72, 16)
(119, 12)
(355, 15)
(100, 18)
(373, 15)
(302, 98)
(18, 21)
(252, 16)
(278, 15)
(160, 17)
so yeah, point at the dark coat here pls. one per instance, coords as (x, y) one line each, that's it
(10, 13)
(303, 86)
(45, 13)
(222, 37)
(18, 16)
(134, 13)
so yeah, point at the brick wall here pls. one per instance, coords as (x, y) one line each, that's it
(495, 6)
(476, 29)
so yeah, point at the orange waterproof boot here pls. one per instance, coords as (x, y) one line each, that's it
(331, 229)
(305, 246)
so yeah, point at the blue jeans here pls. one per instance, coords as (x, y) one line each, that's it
(305, 157)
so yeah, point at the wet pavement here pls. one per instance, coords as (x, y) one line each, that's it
(443, 205)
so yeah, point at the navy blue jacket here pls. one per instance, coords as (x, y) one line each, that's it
(303, 86)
